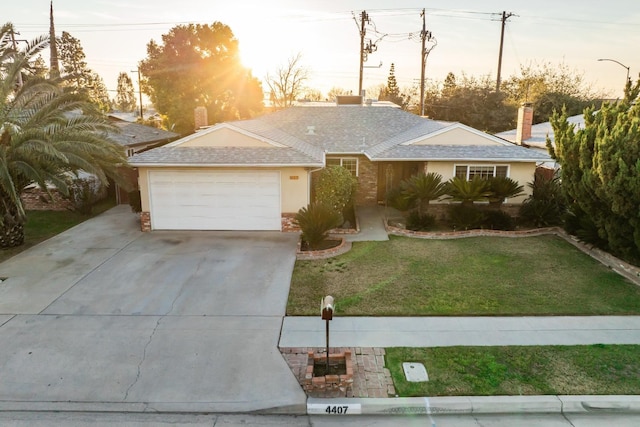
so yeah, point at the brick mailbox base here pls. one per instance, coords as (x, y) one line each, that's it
(329, 383)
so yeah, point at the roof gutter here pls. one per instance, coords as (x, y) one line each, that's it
(465, 159)
(225, 165)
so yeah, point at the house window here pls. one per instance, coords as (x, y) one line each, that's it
(469, 172)
(349, 163)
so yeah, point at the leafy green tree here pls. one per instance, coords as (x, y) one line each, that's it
(471, 101)
(421, 189)
(38, 68)
(199, 65)
(43, 139)
(550, 88)
(125, 96)
(335, 91)
(600, 167)
(287, 84)
(335, 187)
(311, 94)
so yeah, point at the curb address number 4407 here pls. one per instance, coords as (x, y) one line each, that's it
(333, 409)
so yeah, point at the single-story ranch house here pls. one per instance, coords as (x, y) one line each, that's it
(254, 174)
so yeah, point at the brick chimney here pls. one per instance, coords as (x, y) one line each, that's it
(201, 120)
(525, 121)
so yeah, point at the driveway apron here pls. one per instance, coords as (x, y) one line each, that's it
(104, 317)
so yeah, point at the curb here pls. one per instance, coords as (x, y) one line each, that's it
(465, 405)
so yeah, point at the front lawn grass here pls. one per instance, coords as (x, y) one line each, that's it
(492, 371)
(542, 275)
(42, 225)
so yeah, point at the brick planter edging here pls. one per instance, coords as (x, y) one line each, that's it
(629, 271)
(442, 235)
(328, 382)
(342, 248)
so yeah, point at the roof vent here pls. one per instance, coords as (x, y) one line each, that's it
(311, 130)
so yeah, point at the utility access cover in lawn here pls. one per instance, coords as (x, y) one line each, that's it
(415, 372)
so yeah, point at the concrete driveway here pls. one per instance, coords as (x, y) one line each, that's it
(104, 317)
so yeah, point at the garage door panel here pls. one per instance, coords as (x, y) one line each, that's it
(215, 200)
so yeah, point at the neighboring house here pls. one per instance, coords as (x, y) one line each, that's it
(535, 136)
(255, 174)
(136, 138)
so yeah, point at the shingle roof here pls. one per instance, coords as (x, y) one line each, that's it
(132, 134)
(308, 132)
(259, 127)
(264, 156)
(462, 152)
(343, 129)
(540, 131)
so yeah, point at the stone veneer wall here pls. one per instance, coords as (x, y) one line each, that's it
(288, 223)
(367, 193)
(145, 221)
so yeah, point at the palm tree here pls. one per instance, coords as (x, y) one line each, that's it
(46, 136)
(422, 188)
(502, 188)
(467, 192)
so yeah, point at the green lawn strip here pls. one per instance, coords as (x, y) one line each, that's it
(515, 370)
(42, 225)
(542, 275)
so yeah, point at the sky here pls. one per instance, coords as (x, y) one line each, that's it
(571, 33)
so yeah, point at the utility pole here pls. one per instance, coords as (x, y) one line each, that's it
(139, 92)
(364, 18)
(505, 16)
(424, 37)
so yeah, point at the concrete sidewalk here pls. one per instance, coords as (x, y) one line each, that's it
(361, 332)
(454, 331)
(371, 224)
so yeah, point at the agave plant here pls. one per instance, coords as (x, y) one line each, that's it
(467, 192)
(315, 221)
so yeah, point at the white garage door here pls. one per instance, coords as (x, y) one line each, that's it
(220, 200)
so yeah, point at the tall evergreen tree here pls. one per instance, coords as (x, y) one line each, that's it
(601, 171)
(77, 76)
(392, 92)
(125, 96)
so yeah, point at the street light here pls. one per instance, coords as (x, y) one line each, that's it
(619, 63)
